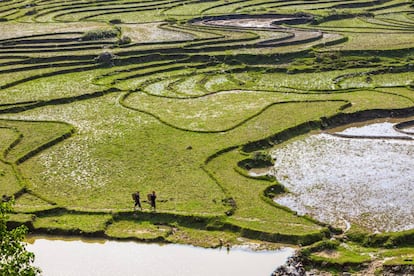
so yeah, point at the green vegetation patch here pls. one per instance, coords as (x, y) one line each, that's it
(113, 164)
(382, 99)
(152, 32)
(28, 203)
(386, 240)
(9, 182)
(378, 80)
(253, 212)
(8, 137)
(144, 16)
(141, 230)
(35, 136)
(54, 87)
(216, 112)
(341, 257)
(101, 34)
(75, 223)
(399, 256)
(203, 238)
(136, 96)
(21, 218)
(15, 29)
(334, 256)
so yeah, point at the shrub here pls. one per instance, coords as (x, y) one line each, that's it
(31, 12)
(259, 160)
(319, 246)
(106, 58)
(124, 40)
(274, 190)
(14, 258)
(100, 34)
(115, 21)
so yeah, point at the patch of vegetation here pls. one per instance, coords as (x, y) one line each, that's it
(100, 34)
(144, 231)
(387, 240)
(274, 190)
(124, 40)
(106, 58)
(399, 256)
(72, 223)
(334, 256)
(203, 238)
(14, 259)
(29, 203)
(258, 160)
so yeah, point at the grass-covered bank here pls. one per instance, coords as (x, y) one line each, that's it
(206, 231)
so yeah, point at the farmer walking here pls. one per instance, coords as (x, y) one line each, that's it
(152, 198)
(136, 198)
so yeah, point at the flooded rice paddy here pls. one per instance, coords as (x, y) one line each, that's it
(99, 257)
(361, 174)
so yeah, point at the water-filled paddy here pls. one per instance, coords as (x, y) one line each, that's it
(99, 257)
(365, 176)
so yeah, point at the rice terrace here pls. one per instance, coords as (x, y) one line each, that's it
(229, 110)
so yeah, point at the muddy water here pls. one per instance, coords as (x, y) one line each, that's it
(99, 257)
(359, 174)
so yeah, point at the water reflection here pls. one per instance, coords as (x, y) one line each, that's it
(76, 257)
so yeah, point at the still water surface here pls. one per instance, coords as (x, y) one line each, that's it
(97, 257)
(360, 173)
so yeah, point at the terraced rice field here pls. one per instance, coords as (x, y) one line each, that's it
(98, 100)
(352, 170)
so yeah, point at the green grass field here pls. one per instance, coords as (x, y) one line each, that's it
(98, 101)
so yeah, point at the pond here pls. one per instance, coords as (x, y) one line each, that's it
(100, 257)
(359, 174)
